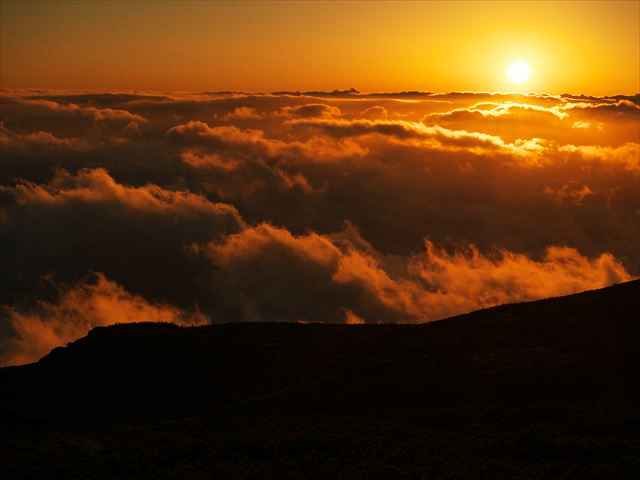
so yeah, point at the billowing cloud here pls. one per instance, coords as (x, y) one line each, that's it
(312, 110)
(627, 155)
(87, 305)
(307, 206)
(418, 133)
(45, 142)
(493, 109)
(376, 112)
(599, 107)
(244, 113)
(467, 279)
(88, 222)
(25, 115)
(200, 136)
(267, 274)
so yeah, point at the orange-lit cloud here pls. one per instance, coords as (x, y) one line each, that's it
(267, 274)
(81, 308)
(37, 141)
(627, 155)
(419, 134)
(467, 279)
(99, 188)
(251, 141)
(244, 113)
(312, 110)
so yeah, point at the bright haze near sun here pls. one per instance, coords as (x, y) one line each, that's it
(519, 71)
(350, 162)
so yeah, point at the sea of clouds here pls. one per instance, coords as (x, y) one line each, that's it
(305, 207)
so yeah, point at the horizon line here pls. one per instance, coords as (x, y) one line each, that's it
(346, 93)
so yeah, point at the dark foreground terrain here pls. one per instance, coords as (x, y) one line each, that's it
(547, 389)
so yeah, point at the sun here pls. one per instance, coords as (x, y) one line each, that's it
(519, 71)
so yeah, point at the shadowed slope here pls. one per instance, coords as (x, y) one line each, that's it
(547, 389)
(582, 349)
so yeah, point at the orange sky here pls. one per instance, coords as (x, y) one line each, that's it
(579, 47)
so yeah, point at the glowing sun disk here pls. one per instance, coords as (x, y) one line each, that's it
(519, 71)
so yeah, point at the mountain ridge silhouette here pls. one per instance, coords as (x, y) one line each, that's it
(558, 346)
(544, 389)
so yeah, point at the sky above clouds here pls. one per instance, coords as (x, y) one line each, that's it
(331, 207)
(588, 47)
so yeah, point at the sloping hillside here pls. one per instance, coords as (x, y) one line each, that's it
(553, 359)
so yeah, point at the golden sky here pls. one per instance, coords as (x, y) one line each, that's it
(579, 47)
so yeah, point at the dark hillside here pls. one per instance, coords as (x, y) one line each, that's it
(544, 363)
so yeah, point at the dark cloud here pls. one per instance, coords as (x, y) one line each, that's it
(27, 115)
(87, 222)
(100, 100)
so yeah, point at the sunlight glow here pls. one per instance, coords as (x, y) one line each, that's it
(519, 71)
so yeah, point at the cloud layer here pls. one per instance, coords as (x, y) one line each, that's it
(328, 207)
